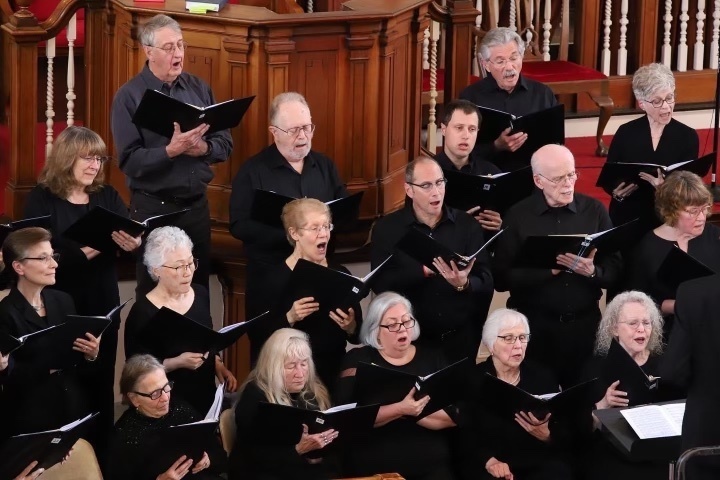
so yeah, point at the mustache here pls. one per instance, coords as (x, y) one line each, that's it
(509, 73)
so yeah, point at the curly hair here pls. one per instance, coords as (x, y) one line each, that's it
(606, 328)
(680, 190)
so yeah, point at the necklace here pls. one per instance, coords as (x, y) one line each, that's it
(37, 308)
(517, 379)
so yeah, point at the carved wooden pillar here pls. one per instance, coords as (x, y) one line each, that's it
(458, 46)
(98, 58)
(278, 48)
(418, 25)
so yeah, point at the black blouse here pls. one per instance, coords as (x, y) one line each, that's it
(197, 387)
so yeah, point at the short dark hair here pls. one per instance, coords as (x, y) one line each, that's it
(465, 106)
(17, 244)
(410, 168)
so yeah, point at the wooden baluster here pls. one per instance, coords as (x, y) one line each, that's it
(607, 23)
(622, 50)
(49, 111)
(70, 95)
(530, 7)
(513, 16)
(310, 6)
(432, 125)
(478, 26)
(682, 47)
(546, 31)
(666, 55)
(699, 47)
(497, 13)
(426, 49)
(715, 35)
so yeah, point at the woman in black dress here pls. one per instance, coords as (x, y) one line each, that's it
(170, 262)
(524, 447)
(654, 138)
(307, 225)
(416, 449)
(36, 395)
(633, 320)
(684, 203)
(147, 390)
(69, 186)
(284, 374)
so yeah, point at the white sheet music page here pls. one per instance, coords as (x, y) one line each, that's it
(655, 421)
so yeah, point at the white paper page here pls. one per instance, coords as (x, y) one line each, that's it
(546, 396)
(340, 408)
(650, 422)
(214, 411)
(25, 337)
(676, 412)
(679, 164)
(229, 328)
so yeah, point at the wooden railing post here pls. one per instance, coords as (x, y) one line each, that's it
(98, 58)
(459, 39)
(587, 31)
(648, 18)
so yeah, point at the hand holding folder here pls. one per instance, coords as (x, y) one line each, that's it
(157, 112)
(496, 192)
(172, 334)
(95, 228)
(425, 249)
(619, 365)
(47, 448)
(379, 385)
(267, 208)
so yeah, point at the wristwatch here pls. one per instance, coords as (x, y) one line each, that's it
(463, 287)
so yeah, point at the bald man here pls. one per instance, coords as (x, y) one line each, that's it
(561, 304)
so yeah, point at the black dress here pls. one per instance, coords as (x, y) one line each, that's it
(197, 387)
(606, 461)
(327, 339)
(93, 284)
(489, 435)
(33, 399)
(251, 459)
(129, 452)
(401, 446)
(649, 255)
(632, 143)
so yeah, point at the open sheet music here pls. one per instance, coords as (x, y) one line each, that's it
(654, 421)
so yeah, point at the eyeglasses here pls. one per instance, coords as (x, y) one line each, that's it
(319, 228)
(572, 176)
(658, 102)
(96, 158)
(408, 323)
(634, 324)
(504, 61)
(170, 48)
(155, 394)
(696, 211)
(511, 339)
(295, 131)
(45, 259)
(427, 186)
(184, 268)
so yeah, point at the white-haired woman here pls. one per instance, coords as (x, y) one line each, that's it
(420, 449)
(654, 138)
(285, 375)
(525, 447)
(170, 262)
(634, 321)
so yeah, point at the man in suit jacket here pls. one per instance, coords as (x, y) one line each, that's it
(692, 362)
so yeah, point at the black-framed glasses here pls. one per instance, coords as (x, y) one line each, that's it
(395, 327)
(427, 186)
(192, 266)
(511, 339)
(155, 394)
(316, 229)
(45, 258)
(295, 131)
(572, 176)
(101, 159)
(171, 48)
(658, 102)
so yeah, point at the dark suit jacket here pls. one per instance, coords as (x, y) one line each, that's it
(34, 399)
(692, 360)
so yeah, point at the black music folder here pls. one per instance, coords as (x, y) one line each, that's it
(541, 251)
(425, 248)
(267, 208)
(679, 267)
(612, 174)
(622, 436)
(9, 344)
(94, 229)
(157, 112)
(507, 400)
(48, 447)
(166, 446)
(379, 385)
(7, 228)
(330, 288)
(496, 192)
(619, 365)
(173, 333)
(283, 424)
